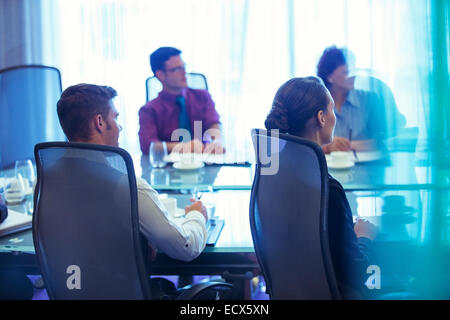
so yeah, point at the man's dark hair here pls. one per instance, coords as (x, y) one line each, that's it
(332, 57)
(79, 104)
(159, 57)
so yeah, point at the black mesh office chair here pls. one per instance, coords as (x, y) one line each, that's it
(85, 225)
(288, 217)
(28, 96)
(194, 80)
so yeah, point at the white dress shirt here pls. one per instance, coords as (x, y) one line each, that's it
(181, 238)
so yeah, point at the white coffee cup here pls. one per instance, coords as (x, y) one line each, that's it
(340, 157)
(210, 209)
(171, 205)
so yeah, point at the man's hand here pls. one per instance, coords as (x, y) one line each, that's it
(214, 147)
(194, 145)
(364, 228)
(338, 144)
(197, 206)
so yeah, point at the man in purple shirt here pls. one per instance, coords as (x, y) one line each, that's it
(178, 107)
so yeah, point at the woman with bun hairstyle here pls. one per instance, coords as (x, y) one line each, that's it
(304, 107)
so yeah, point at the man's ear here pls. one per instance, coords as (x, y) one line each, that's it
(160, 75)
(99, 123)
(321, 118)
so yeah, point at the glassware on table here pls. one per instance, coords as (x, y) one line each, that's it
(157, 153)
(205, 194)
(25, 169)
(14, 190)
(159, 177)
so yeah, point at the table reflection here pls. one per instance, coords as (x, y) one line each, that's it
(395, 171)
(218, 176)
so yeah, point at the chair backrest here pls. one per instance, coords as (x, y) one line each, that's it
(288, 217)
(194, 80)
(85, 223)
(28, 97)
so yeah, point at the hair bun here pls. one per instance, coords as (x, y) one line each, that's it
(277, 117)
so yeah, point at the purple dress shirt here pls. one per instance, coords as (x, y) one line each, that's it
(160, 116)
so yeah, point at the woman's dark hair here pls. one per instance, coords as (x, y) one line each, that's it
(79, 104)
(295, 102)
(159, 57)
(332, 57)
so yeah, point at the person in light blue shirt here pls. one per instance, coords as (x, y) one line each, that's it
(356, 116)
(361, 115)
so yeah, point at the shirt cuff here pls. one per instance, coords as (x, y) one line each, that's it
(197, 214)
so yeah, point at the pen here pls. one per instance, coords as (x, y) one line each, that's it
(350, 139)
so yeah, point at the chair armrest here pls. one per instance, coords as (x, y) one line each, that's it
(191, 291)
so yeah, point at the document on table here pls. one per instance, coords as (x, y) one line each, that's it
(226, 158)
(15, 222)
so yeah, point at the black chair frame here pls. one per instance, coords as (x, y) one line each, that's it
(328, 264)
(134, 210)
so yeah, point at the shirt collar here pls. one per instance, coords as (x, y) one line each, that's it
(171, 97)
(352, 99)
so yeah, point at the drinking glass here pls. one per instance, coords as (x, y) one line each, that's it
(157, 152)
(206, 195)
(159, 177)
(14, 190)
(25, 170)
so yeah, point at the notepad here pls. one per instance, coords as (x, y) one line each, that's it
(15, 222)
(214, 228)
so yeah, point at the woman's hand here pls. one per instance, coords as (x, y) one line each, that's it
(366, 229)
(338, 144)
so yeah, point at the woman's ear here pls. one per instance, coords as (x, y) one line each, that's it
(321, 119)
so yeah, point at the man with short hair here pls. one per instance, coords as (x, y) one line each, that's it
(178, 107)
(87, 114)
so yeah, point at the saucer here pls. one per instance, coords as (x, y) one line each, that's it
(188, 165)
(340, 165)
(369, 156)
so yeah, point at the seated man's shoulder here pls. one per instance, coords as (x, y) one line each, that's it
(197, 93)
(151, 105)
(141, 184)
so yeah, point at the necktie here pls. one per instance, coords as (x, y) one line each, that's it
(184, 122)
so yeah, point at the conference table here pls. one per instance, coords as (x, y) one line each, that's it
(406, 175)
